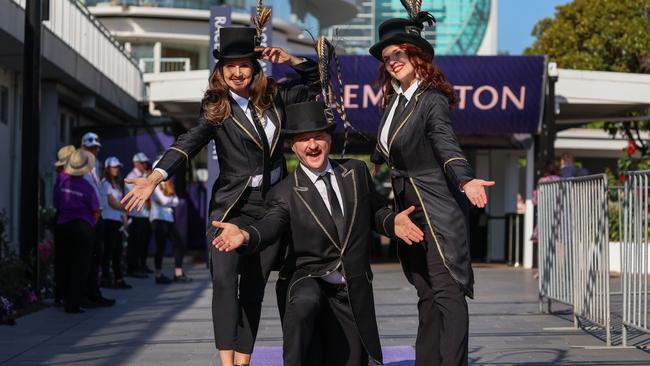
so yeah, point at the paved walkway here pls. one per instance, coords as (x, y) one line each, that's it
(171, 325)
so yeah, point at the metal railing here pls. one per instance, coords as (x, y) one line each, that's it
(165, 64)
(71, 21)
(635, 252)
(574, 247)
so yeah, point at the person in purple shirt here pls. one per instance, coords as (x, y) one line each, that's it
(62, 157)
(78, 211)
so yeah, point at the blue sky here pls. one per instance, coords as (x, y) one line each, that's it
(516, 19)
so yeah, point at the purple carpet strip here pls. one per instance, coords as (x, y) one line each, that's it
(393, 356)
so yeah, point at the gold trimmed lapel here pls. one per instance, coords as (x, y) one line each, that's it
(312, 200)
(348, 187)
(408, 112)
(242, 121)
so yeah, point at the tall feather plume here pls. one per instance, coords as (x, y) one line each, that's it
(326, 51)
(263, 14)
(413, 7)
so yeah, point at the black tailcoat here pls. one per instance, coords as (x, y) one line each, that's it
(238, 145)
(423, 151)
(316, 249)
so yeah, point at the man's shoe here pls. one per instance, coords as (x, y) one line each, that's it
(122, 285)
(182, 278)
(163, 280)
(103, 302)
(135, 274)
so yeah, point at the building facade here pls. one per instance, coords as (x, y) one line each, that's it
(464, 27)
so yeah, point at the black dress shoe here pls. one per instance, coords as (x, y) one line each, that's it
(74, 310)
(103, 302)
(163, 280)
(122, 285)
(135, 274)
(182, 278)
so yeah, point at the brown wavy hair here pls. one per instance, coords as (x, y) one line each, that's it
(427, 71)
(216, 100)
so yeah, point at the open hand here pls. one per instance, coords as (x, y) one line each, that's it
(405, 229)
(142, 190)
(475, 191)
(231, 237)
(277, 55)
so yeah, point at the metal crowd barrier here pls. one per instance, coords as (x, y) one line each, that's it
(635, 252)
(574, 247)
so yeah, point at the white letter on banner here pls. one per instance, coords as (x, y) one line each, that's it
(477, 101)
(369, 95)
(462, 94)
(508, 94)
(347, 95)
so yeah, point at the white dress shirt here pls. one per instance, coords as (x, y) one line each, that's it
(335, 277)
(269, 131)
(408, 94)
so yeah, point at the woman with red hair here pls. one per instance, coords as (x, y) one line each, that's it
(429, 171)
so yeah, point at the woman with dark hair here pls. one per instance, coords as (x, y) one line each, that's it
(429, 171)
(243, 113)
(114, 218)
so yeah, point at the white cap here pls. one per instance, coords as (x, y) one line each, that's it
(90, 139)
(112, 161)
(140, 157)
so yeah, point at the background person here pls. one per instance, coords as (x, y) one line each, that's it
(139, 226)
(78, 211)
(163, 202)
(114, 218)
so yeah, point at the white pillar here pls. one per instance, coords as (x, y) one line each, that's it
(157, 54)
(530, 210)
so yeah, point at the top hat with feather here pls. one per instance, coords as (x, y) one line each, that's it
(240, 42)
(398, 30)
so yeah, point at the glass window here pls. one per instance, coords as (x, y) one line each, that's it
(4, 105)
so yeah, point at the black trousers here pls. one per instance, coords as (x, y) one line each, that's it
(163, 231)
(112, 249)
(442, 309)
(319, 328)
(238, 283)
(138, 243)
(76, 239)
(96, 257)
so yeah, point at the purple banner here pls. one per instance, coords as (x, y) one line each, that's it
(497, 94)
(220, 16)
(267, 40)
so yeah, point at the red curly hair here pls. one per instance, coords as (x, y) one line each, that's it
(427, 71)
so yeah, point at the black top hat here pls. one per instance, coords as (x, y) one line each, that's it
(307, 117)
(397, 31)
(237, 42)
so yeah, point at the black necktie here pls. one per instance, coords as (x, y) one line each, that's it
(401, 104)
(266, 163)
(337, 212)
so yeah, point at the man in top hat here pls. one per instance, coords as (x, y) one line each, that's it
(330, 207)
(139, 228)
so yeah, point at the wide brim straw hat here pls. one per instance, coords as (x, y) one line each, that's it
(80, 163)
(63, 154)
